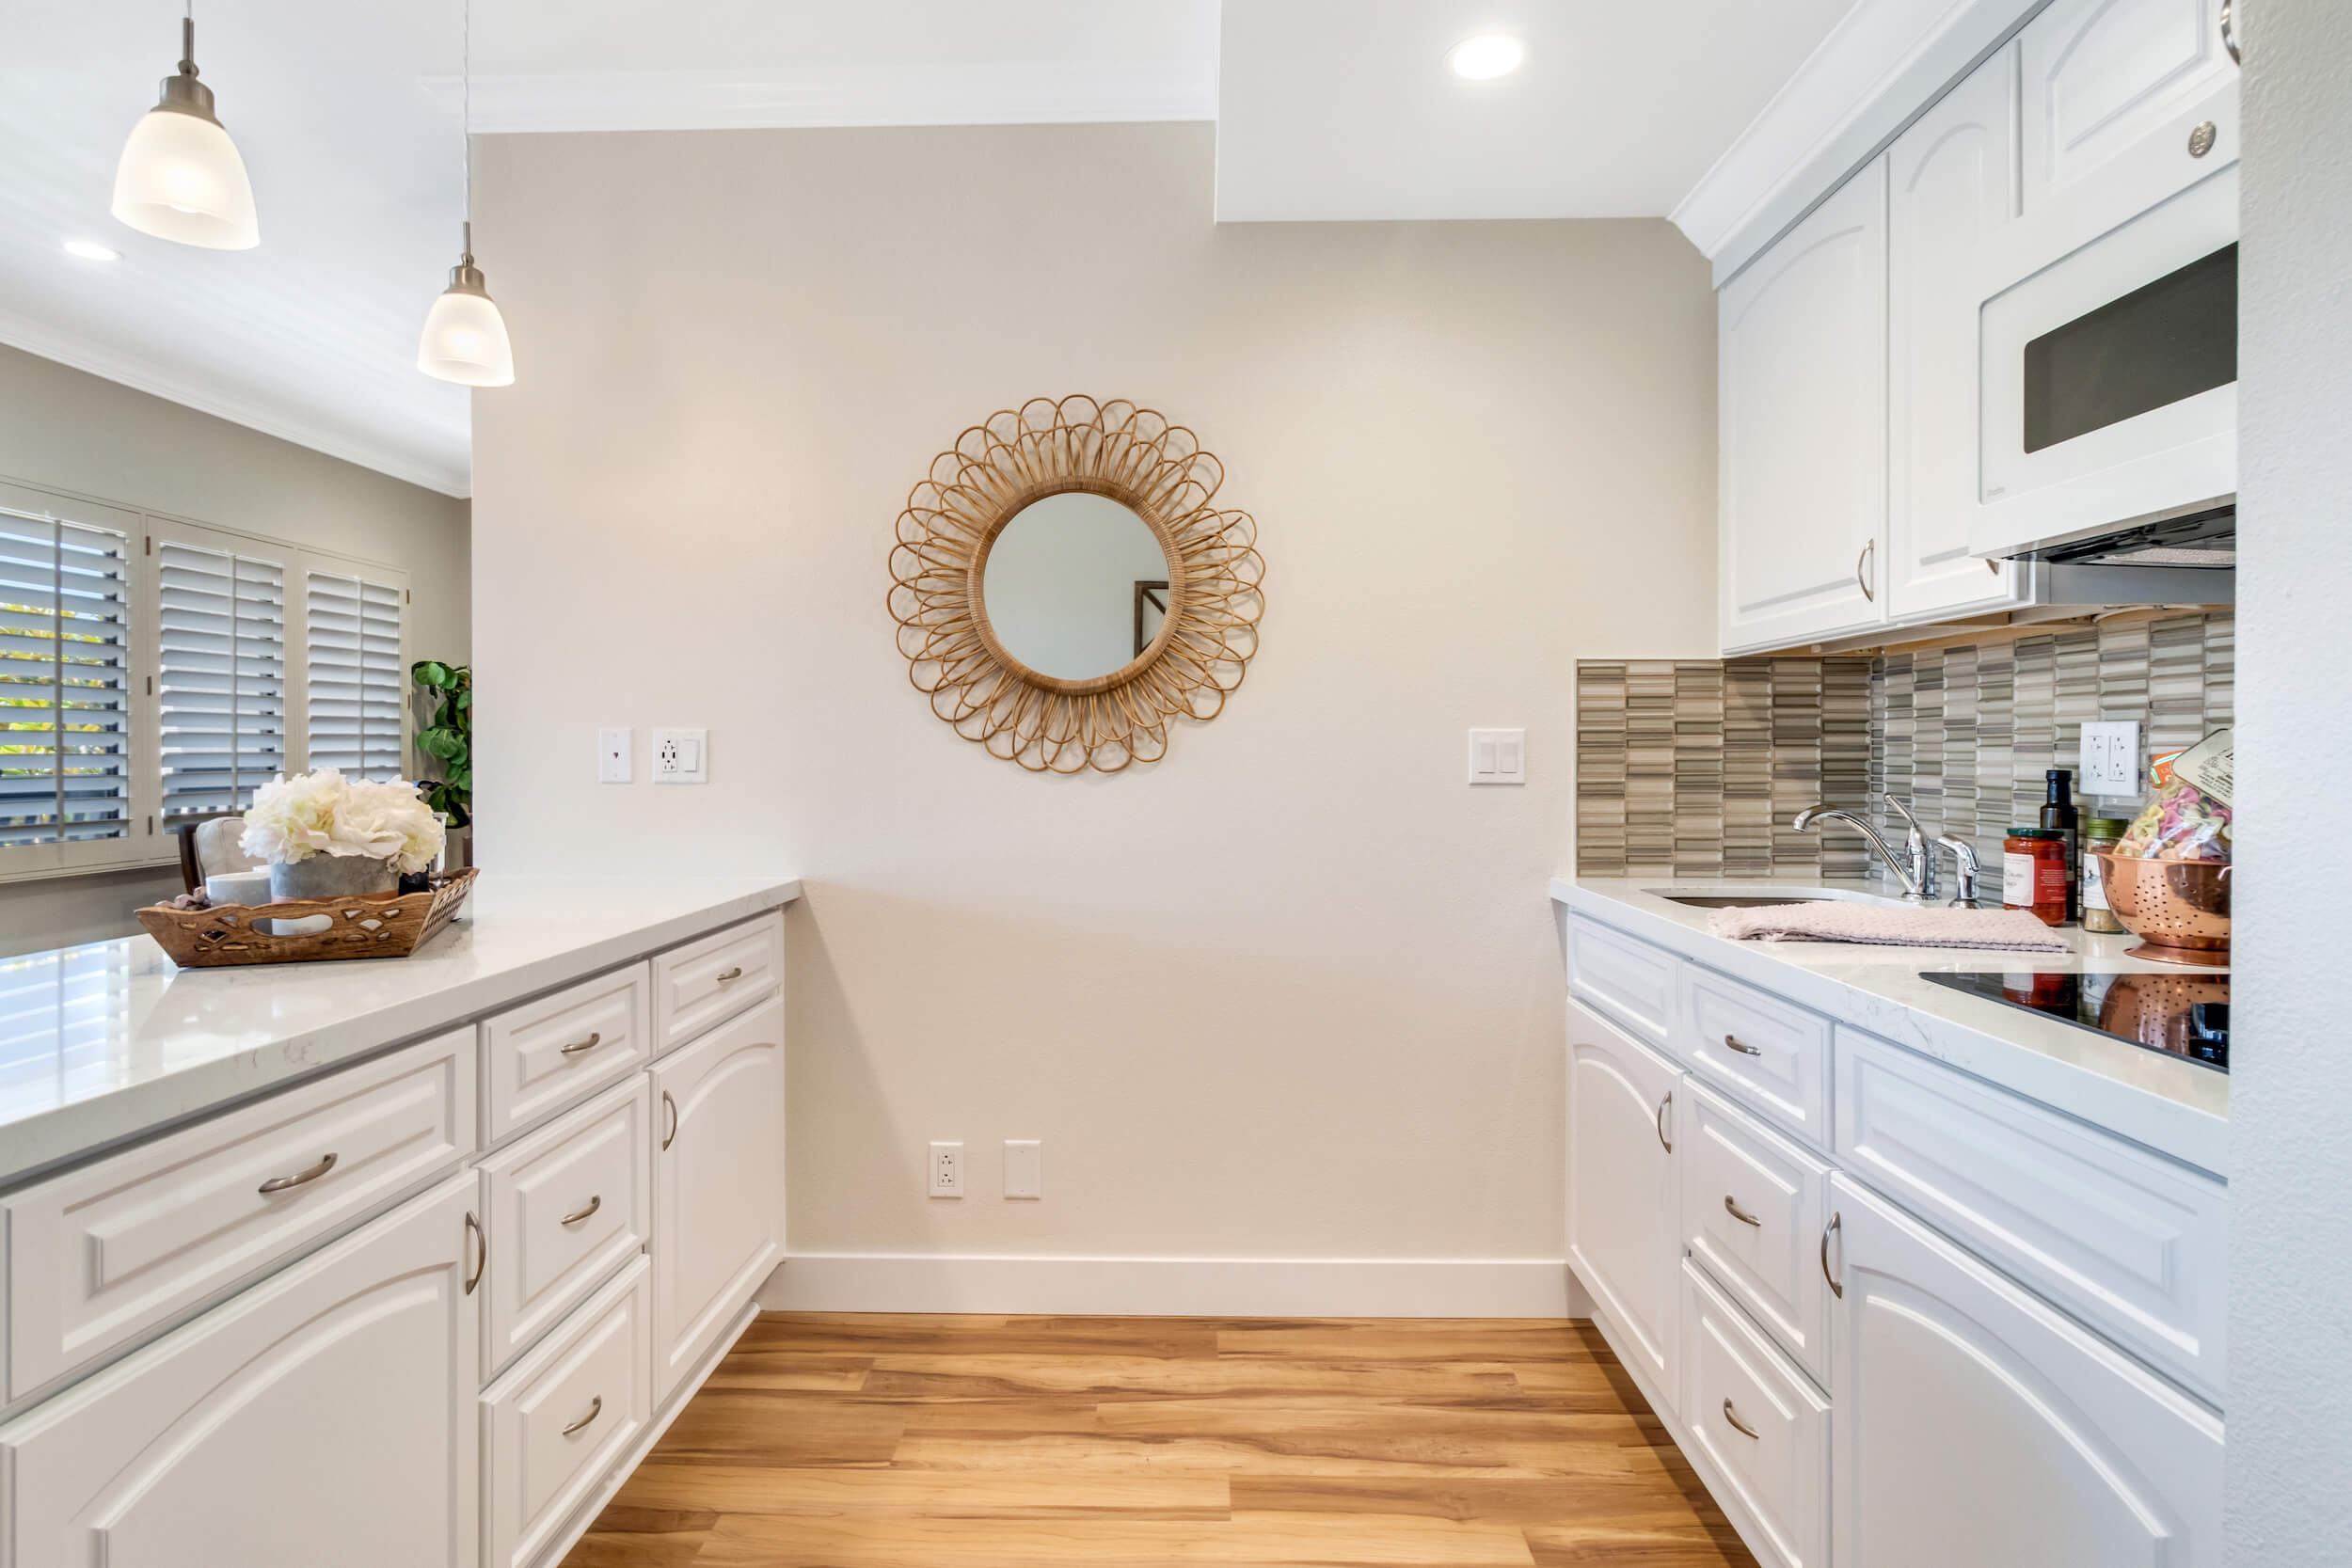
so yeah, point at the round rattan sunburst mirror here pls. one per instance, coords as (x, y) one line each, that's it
(1208, 606)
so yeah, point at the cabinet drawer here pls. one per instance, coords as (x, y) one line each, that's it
(553, 1428)
(1761, 1427)
(556, 1052)
(711, 980)
(2123, 1239)
(99, 1254)
(1771, 1055)
(564, 1207)
(1754, 1206)
(1624, 978)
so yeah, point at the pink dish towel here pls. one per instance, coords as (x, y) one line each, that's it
(1912, 926)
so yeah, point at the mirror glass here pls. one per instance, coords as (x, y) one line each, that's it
(1076, 586)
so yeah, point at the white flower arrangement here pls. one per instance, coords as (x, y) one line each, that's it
(323, 813)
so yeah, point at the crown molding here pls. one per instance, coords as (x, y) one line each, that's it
(1877, 70)
(830, 96)
(144, 375)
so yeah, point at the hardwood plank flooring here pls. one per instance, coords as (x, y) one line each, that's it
(884, 1441)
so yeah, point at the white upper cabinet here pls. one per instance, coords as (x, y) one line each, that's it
(1952, 180)
(1625, 1239)
(2112, 90)
(1802, 364)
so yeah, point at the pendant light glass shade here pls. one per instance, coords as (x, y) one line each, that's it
(180, 178)
(465, 337)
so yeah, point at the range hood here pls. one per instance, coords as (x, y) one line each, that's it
(2186, 558)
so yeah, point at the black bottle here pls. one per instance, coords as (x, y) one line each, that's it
(2057, 813)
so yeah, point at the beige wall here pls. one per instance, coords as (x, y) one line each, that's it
(64, 429)
(1294, 992)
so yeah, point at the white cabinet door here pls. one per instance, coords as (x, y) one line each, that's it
(1624, 1231)
(1803, 362)
(327, 1415)
(1975, 1425)
(718, 1184)
(1952, 180)
(2113, 89)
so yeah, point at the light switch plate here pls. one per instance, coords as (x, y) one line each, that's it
(1497, 756)
(616, 754)
(681, 756)
(1024, 1167)
(2110, 759)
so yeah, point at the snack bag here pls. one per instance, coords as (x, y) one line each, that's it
(2189, 819)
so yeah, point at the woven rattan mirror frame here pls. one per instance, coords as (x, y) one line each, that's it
(1050, 447)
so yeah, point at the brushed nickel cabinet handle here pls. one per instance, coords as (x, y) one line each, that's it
(300, 1177)
(1663, 1106)
(1859, 578)
(2229, 31)
(726, 975)
(1732, 1208)
(1834, 1228)
(671, 1137)
(595, 1201)
(1741, 1046)
(595, 1408)
(594, 1040)
(482, 1259)
(1736, 1425)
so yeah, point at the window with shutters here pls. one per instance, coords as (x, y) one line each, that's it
(359, 681)
(220, 683)
(65, 672)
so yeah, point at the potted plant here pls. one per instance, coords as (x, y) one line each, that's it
(445, 738)
(325, 836)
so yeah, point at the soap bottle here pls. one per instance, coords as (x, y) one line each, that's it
(2058, 816)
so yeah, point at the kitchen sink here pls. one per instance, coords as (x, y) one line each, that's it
(1764, 898)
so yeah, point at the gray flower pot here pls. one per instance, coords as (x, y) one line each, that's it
(332, 877)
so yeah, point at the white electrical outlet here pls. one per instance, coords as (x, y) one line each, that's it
(616, 753)
(681, 756)
(1497, 756)
(2110, 759)
(947, 1170)
(1024, 1167)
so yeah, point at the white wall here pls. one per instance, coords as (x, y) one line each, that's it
(1294, 992)
(2290, 1462)
(64, 429)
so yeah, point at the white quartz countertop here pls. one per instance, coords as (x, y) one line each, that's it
(2168, 1103)
(103, 1042)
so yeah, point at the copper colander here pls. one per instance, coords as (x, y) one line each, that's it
(2179, 910)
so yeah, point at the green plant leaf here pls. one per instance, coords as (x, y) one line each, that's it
(464, 698)
(433, 673)
(438, 742)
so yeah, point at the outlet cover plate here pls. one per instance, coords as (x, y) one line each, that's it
(2110, 759)
(1024, 1167)
(617, 751)
(681, 756)
(947, 1170)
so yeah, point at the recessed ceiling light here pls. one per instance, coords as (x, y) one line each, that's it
(91, 250)
(1486, 57)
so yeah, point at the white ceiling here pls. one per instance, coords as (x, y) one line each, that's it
(346, 112)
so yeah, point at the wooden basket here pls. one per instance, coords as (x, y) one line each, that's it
(364, 927)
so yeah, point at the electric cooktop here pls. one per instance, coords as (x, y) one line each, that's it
(2185, 1015)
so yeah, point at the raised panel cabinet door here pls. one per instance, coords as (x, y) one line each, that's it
(1802, 351)
(1624, 1232)
(718, 1184)
(2113, 88)
(326, 1416)
(1951, 180)
(1976, 1425)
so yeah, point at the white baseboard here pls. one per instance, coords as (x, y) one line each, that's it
(1176, 1287)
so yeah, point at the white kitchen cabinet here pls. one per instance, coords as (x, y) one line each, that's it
(1758, 1424)
(1752, 1206)
(718, 1184)
(1951, 181)
(1624, 1227)
(2112, 90)
(1975, 1425)
(327, 1415)
(1802, 351)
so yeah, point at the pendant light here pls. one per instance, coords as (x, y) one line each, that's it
(180, 178)
(465, 337)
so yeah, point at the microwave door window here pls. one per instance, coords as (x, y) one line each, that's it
(2156, 346)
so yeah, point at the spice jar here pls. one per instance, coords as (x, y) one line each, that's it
(2033, 873)
(2099, 832)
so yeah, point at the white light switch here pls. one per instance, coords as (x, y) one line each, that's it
(617, 751)
(2110, 759)
(1497, 756)
(1025, 1168)
(681, 756)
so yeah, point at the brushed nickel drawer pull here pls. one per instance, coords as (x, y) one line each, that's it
(1736, 1425)
(726, 975)
(594, 1040)
(595, 1201)
(1860, 577)
(483, 1260)
(1663, 1106)
(1834, 1228)
(1732, 1208)
(671, 1137)
(1741, 1046)
(300, 1177)
(2229, 32)
(595, 1408)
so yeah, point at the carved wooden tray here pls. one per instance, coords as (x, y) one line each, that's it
(364, 927)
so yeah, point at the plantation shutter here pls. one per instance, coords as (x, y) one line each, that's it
(358, 683)
(65, 718)
(221, 686)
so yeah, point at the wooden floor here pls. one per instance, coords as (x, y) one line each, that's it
(970, 1442)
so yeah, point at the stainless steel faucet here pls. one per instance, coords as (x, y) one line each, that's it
(1914, 865)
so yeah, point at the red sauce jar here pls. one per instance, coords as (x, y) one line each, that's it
(2033, 873)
